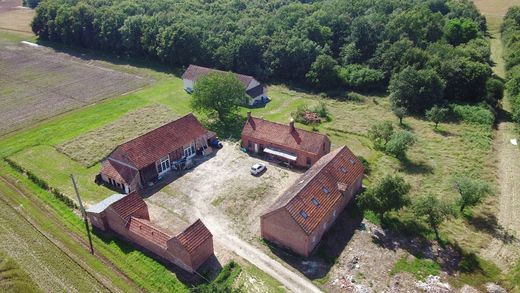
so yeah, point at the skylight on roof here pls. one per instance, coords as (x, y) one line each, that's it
(304, 214)
(325, 189)
(315, 202)
(352, 161)
(344, 169)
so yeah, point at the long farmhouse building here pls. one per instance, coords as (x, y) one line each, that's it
(145, 159)
(127, 216)
(298, 219)
(282, 142)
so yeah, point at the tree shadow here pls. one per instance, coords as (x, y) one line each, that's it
(488, 223)
(328, 250)
(443, 132)
(410, 167)
(207, 272)
(86, 54)
(407, 234)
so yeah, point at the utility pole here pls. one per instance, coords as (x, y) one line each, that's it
(83, 213)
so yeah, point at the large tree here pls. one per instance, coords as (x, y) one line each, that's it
(416, 90)
(387, 194)
(218, 94)
(433, 210)
(471, 191)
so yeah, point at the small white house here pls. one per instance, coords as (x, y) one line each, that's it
(254, 89)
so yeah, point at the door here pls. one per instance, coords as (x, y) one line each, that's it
(256, 148)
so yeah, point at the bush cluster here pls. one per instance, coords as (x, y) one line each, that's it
(511, 40)
(42, 183)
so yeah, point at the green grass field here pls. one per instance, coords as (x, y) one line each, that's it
(13, 278)
(459, 148)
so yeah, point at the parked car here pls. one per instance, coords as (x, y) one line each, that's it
(257, 168)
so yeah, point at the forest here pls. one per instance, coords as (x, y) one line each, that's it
(511, 40)
(426, 52)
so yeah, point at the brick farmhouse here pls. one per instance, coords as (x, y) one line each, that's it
(145, 159)
(284, 142)
(127, 216)
(254, 89)
(298, 219)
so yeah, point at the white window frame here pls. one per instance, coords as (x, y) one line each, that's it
(163, 165)
(189, 152)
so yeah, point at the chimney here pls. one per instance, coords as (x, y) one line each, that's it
(291, 124)
(248, 115)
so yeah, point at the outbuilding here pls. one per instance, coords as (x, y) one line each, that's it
(298, 219)
(147, 158)
(284, 142)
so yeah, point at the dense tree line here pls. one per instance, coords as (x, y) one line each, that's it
(358, 44)
(511, 40)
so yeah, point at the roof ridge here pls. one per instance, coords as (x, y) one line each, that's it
(220, 70)
(286, 125)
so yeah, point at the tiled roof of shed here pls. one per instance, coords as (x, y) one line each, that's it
(193, 236)
(128, 205)
(282, 135)
(319, 189)
(149, 231)
(152, 146)
(194, 72)
(118, 172)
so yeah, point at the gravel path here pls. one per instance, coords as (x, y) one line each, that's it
(192, 195)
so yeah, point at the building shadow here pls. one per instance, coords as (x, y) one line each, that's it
(328, 250)
(204, 274)
(174, 175)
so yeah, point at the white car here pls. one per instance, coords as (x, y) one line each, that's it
(257, 168)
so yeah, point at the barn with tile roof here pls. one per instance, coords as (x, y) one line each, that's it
(133, 164)
(284, 142)
(127, 216)
(298, 219)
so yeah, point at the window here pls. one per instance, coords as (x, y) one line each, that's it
(352, 161)
(250, 145)
(315, 202)
(189, 151)
(164, 165)
(324, 225)
(344, 169)
(304, 214)
(309, 161)
(325, 189)
(334, 214)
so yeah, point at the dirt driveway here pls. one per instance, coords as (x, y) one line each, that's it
(208, 191)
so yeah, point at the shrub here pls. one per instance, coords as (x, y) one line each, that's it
(399, 143)
(365, 163)
(358, 76)
(474, 114)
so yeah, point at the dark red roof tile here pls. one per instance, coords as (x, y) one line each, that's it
(128, 205)
(149, 231)
(118, 172)
(193, 236)
(282, 135)
(152, 146)
(319, 190)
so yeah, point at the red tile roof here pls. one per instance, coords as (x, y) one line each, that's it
(194, 72)
(118, 172)
(149, 231)
(281, 134)
(194, 236)
(128, 205)
(323, 184)
(152, 146)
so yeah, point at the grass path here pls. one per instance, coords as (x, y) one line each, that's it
(508, 156)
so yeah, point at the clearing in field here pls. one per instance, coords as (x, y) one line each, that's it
(41, 83)
(91, 147)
